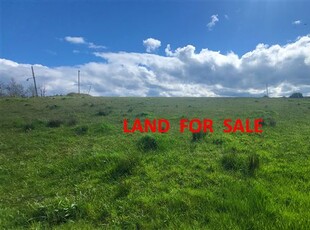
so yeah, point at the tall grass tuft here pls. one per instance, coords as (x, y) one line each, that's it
(253, 163)
(54, 123)
(198, 136)
(55, 214)
(124, 167)
(147, 143)
(81, 130)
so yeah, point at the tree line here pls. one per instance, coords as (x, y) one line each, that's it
(15, 89)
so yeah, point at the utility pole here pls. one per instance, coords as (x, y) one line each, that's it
(34, 82)
(78, 81)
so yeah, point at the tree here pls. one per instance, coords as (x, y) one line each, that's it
(30, 91)
(14, 89)
(42, 90)
(296, 95)
(2, 89)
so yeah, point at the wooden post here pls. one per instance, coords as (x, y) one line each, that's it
(79, 82)
(34, 82)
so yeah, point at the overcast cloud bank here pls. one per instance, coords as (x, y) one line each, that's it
(181, 72)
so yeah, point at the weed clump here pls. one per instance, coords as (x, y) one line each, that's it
(236, 162)
(122, 190)
(52, 106)
(218, 141)
(198, 136)
(124, 167)
(142, 114)
(232, 162)
(54, 123)
(253, 163)
(28, 127)
(81, 130)
(72, 121)
(104, 112)
(56, 214)
(147, 143)
(103, 128)
(270, 121)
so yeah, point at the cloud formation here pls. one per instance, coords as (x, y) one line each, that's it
(81, 40)
(151, 44)
(297, 22)
(75, 40)
(214, 20)
(181, 72)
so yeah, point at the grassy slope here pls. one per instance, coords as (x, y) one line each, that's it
(91, 175)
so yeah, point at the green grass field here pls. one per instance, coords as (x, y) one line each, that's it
(65, 163)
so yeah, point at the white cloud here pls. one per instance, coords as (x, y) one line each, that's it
(75, 40)
(297, 22)
(81, 40)
(94, 46)
(226, 16)
(214, 20)
(181, 72)
(151, 44)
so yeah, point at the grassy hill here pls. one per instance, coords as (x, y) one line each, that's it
(65, 163)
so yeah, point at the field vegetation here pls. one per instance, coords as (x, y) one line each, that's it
(65, 163)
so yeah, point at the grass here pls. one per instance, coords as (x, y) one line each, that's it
(64, 165)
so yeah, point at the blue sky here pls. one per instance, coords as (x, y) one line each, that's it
(74, 33)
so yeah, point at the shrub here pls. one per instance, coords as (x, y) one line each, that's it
(147, 143)
(54, 123)
(198, 136)
(296, 95)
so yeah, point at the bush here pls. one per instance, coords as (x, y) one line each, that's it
(296, 95)
(54, 123)
(147, 143)
(198, 136)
